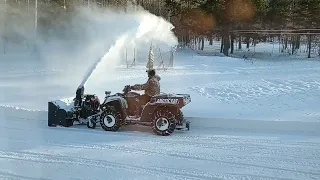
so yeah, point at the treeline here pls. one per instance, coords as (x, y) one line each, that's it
(229, 20)
(242, 20)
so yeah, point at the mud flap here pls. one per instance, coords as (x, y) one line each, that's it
(184, 127)
(57, 116)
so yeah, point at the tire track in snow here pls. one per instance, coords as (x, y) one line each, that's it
(222, 146)
(286, 153)
(172, 173)
(11, 176)
(239, 145)
(222, 159)
(231, 139)
(60, 159)
(271, 153)
(250, 162)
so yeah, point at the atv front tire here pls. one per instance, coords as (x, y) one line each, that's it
(109, 120)
(163, 121)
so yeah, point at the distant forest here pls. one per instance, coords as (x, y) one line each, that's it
(247, 21)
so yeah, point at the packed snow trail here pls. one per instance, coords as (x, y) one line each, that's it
(260, 131)
(136, 153)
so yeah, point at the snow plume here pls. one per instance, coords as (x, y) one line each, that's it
(145, 29)
(85, 43)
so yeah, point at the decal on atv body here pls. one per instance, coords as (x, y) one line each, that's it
(167, 101)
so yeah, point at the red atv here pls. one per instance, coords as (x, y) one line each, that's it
(163, 112)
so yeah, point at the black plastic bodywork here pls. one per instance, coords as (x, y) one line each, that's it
(57, 116)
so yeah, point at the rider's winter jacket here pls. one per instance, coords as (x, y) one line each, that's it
(151, 87)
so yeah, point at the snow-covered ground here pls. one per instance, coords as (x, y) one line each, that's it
(257, 120)
(30, 150)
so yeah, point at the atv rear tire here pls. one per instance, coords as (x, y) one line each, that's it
(109, 120)
(163, 121)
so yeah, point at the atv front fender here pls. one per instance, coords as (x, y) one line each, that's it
(121, 101)
(118, 103)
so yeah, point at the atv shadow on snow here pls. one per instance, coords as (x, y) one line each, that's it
(127, 128)
(162, 113)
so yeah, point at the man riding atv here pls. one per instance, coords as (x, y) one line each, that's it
(151, 87)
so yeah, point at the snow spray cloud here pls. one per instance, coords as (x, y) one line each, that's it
(145, 29)
(85, 37)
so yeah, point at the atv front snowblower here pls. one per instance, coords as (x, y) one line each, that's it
(67, 111)
(163, 112)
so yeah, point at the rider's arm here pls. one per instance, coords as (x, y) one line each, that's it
(139, 87)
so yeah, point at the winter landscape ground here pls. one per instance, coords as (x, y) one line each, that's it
(248, 121)
(256, 118)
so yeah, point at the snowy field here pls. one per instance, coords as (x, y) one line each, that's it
(257, 120)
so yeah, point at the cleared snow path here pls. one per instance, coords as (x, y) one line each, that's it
(30, 150)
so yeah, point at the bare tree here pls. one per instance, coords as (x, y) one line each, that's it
(4, 37)
(35, 24)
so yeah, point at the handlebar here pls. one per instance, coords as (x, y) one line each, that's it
(126, 89)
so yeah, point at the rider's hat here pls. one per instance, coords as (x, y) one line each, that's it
(151, 72)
